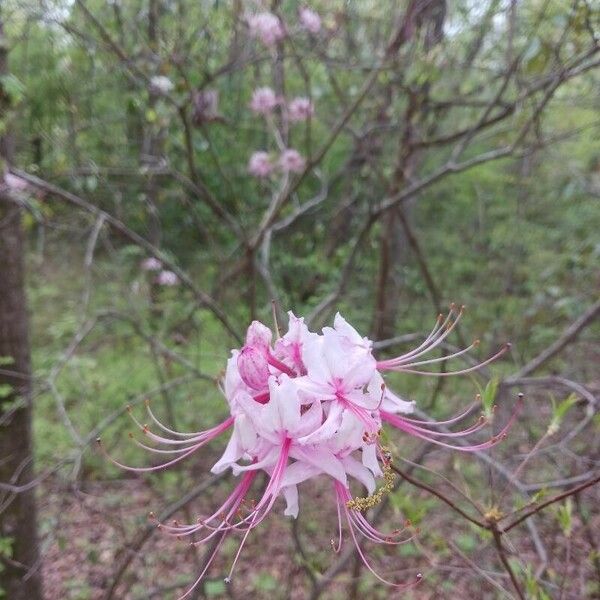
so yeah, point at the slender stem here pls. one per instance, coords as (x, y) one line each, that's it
(502, 554)
(439, 495)
(558, 498)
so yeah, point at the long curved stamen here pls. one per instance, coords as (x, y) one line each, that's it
(362, 556)
(264, 505)
(208, 564)
(446, 329)
(199, 437)
(440, 324)
(398, 422)
(164, 427)
(144, 469)
(476, 367)
(477, 426)
(224, 514)
(337, 548)
(451, 421)
(201, 441)
(432, 341)
(160, 450)
(431, 361)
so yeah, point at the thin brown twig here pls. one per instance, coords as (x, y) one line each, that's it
(557, 498)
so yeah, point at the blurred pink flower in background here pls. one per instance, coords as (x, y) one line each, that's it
(267, 27)
(260, 164)
(291, 161)
(263, 100)
(16, 183)
(310, 20)
(300, 109)
(161, 85)
(167, 278)
(151, 264)
(205, 107)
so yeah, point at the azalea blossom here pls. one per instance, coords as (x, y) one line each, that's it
(310, 405)
(205, 107)
(161, 85)
(267, 27)
(167, 278)
(309, 19)
(263, 101)
(300, 109)
(151, 264)
(260, 164)
(16, 183)
(291, 161)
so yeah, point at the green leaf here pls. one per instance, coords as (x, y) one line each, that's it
(265, 582)
(13, 88)
(488, 397)
(559, 412)
(212, 589)
(565, 517)
(5, 390)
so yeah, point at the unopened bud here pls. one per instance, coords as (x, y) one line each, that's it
(253, 367)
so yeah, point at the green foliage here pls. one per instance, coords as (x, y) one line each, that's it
(564, 514)
(488, 397)
(559, 411)
(214, 589)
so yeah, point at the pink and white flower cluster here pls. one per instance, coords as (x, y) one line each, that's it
(164, 277)
(267, 27)
(270, 28)
(264, 101)
(309, 405)
(262, 164)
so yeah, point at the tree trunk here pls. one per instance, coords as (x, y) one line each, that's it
(20, 573)
(394, 241)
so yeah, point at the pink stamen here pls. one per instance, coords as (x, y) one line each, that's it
(401, 424)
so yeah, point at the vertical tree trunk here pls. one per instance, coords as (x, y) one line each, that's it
(394, 242)
(20, 574)
(152, 143)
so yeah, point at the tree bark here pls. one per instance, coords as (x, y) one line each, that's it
(394, 243)
(20, 572)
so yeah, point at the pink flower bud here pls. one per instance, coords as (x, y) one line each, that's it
(253, 367)
(167, 278)
(151, 264)
(300, 109)
(260, 164)
(267, 27)
(291, 161)
(263, 101)
(259, 336)
(310, 20)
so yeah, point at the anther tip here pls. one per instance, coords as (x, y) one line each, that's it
(128, 408)
(98, 441)
(419, 576)
(227, 580)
